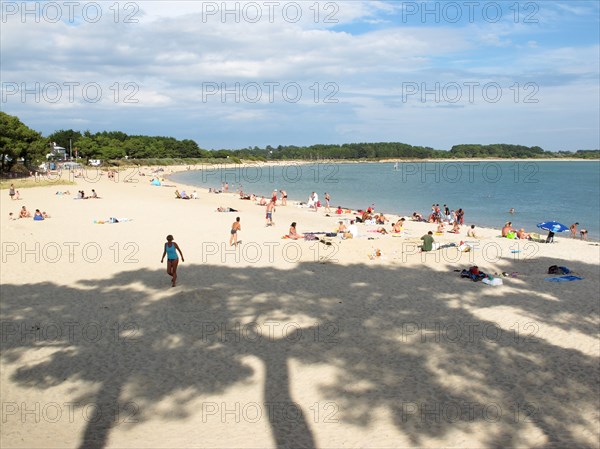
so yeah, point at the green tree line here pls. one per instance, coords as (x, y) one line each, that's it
(18, 142)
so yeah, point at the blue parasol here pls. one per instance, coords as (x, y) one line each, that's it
(553, 226)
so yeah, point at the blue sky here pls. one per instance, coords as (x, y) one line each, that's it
(299, 73)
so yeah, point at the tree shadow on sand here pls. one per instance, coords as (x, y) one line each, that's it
(418, 349)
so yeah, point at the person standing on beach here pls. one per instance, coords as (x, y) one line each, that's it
(573, 229)
(235, 227)
(283, 197)
(327, 198)
(11, 192)
(170, 251)
(460, 216)
(270, 211)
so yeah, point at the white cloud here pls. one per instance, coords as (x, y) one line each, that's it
(176, 50)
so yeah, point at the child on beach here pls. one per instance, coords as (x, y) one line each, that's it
(471, 232)
(235, 227)
(170, 251)
(270, 210)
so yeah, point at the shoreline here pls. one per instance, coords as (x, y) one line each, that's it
(292, 199)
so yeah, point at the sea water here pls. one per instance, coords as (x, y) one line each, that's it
(564, 191)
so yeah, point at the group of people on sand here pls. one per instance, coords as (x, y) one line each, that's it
(24, 213)
(82, 196)
(511, 233)
(444, 215)
(583, 233)
(347, 232)
(314, 203)
(397, 227)
(184, 196)
(13, 193)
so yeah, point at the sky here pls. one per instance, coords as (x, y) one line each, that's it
(241, 74)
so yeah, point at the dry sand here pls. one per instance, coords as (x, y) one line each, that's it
(283, 344)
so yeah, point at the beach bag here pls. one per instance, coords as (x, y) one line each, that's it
(331, 234)
(555, 269)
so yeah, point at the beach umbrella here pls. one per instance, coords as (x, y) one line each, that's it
(553, 226)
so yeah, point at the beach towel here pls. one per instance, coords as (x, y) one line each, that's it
(564, 279)
(493, 281)
(535, 237)
(112, 220)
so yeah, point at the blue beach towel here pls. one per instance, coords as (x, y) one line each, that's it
(564, 279)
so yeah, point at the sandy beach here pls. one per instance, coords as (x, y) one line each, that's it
(278, 343)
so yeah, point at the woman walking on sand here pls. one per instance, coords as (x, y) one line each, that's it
(170, 251)
(235, 227)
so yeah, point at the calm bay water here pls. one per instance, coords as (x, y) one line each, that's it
(538, 191)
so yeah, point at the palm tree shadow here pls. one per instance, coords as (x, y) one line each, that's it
(375, 326)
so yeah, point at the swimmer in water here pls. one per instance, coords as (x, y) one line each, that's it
(511, 210)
